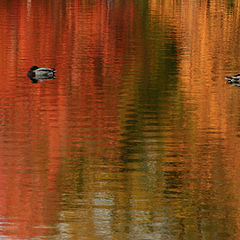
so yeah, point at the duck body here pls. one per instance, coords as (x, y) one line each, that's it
(39, 74)
(233, 79)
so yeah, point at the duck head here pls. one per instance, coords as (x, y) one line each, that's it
(34, 68)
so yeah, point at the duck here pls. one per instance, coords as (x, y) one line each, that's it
(41, 73)
(233, 79)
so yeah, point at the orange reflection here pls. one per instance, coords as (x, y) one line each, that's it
(48, 128)
(205, 33)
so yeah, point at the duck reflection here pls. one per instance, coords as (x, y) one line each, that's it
(235, 84)
(37, 74)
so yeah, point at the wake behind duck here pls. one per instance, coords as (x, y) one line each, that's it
(40, 74)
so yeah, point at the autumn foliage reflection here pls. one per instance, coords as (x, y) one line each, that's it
(41, 123)
(119, 139)
(206, 34)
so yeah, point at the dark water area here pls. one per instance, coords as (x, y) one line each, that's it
(138, 135)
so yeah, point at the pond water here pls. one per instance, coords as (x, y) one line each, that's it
(138, 137)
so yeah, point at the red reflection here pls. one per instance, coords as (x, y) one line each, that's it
(39, 122)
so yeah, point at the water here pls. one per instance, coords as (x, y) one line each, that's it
(137, 137)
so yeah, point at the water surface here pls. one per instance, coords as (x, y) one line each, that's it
(137, 137)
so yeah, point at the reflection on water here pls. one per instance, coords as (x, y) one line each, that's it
(137, 137)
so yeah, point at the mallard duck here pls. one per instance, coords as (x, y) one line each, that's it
(233, 79)
(35, 73)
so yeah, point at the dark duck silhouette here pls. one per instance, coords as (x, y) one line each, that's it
(40, 74)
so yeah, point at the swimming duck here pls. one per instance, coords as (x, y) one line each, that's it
(233, 79)
(39, 74)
